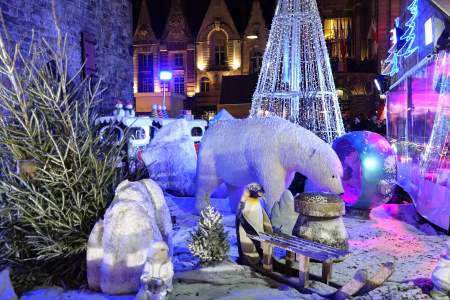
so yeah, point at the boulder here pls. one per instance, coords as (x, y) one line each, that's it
(118, 246)
(171, 159)
(284, 217)
(6, 288)
(441, 274)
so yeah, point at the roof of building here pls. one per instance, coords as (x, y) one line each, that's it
(195, 11)
(238, 89)
(444, 5)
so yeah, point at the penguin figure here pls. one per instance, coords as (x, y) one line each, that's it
(160, 112)
(156, 279)
(251, 219)
(119, 112)
(154, 112)
(129, 110)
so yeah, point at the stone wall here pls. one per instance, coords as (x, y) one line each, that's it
(110, 21)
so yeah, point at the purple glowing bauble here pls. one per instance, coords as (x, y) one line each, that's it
(369, 168)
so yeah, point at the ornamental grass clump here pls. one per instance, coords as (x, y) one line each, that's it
(56, 174)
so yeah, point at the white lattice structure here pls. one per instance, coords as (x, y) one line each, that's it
(296, 81)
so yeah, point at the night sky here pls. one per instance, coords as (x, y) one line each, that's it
(195, 11)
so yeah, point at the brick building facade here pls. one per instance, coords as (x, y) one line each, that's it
(356, 32)
(219, 49)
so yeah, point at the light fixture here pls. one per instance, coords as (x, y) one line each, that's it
(165, 75)
(381, 83)
(428, 31)
(255, 34)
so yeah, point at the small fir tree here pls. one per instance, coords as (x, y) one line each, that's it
(209, 242)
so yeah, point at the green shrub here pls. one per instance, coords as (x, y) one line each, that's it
(56, 174)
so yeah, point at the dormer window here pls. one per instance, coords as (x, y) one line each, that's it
(219, 49)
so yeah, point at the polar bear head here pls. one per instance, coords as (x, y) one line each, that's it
(325, 169)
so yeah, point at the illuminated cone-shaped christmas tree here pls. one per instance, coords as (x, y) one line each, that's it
(296, 81)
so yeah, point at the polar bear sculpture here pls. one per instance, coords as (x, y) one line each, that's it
(171, 159)
(267, 150)
(119, 244)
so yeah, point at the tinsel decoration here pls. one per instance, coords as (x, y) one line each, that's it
(209, 242)
(296, 81)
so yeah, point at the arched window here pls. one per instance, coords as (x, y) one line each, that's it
(219, 48)
(255, 62)
(204, 84)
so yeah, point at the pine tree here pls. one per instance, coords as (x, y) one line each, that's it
(56, 174)
(296, 81)
(210, 241)
(391, 62)
(409, 36)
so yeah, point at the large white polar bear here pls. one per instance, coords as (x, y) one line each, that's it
(266, 150)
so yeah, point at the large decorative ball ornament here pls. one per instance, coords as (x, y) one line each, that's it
(369, 168)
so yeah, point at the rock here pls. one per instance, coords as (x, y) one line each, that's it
(229, 280)
(6, 288)
(395, 291)
(284, 217)
(137, 216)
(171, 159)
(321, 219)
(441, 274)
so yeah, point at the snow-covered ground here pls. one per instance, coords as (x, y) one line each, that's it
(392, 234)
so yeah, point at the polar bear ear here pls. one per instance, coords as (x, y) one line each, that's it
(122, 186)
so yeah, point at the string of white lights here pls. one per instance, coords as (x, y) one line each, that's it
(296, 81)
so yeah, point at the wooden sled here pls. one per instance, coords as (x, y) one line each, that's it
(301, 251)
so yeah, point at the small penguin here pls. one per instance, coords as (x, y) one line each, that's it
(160, 112)
(129, 110)
(251, 219)
(119, 112)
(156, 279)
(154, 112)
(165, 113)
